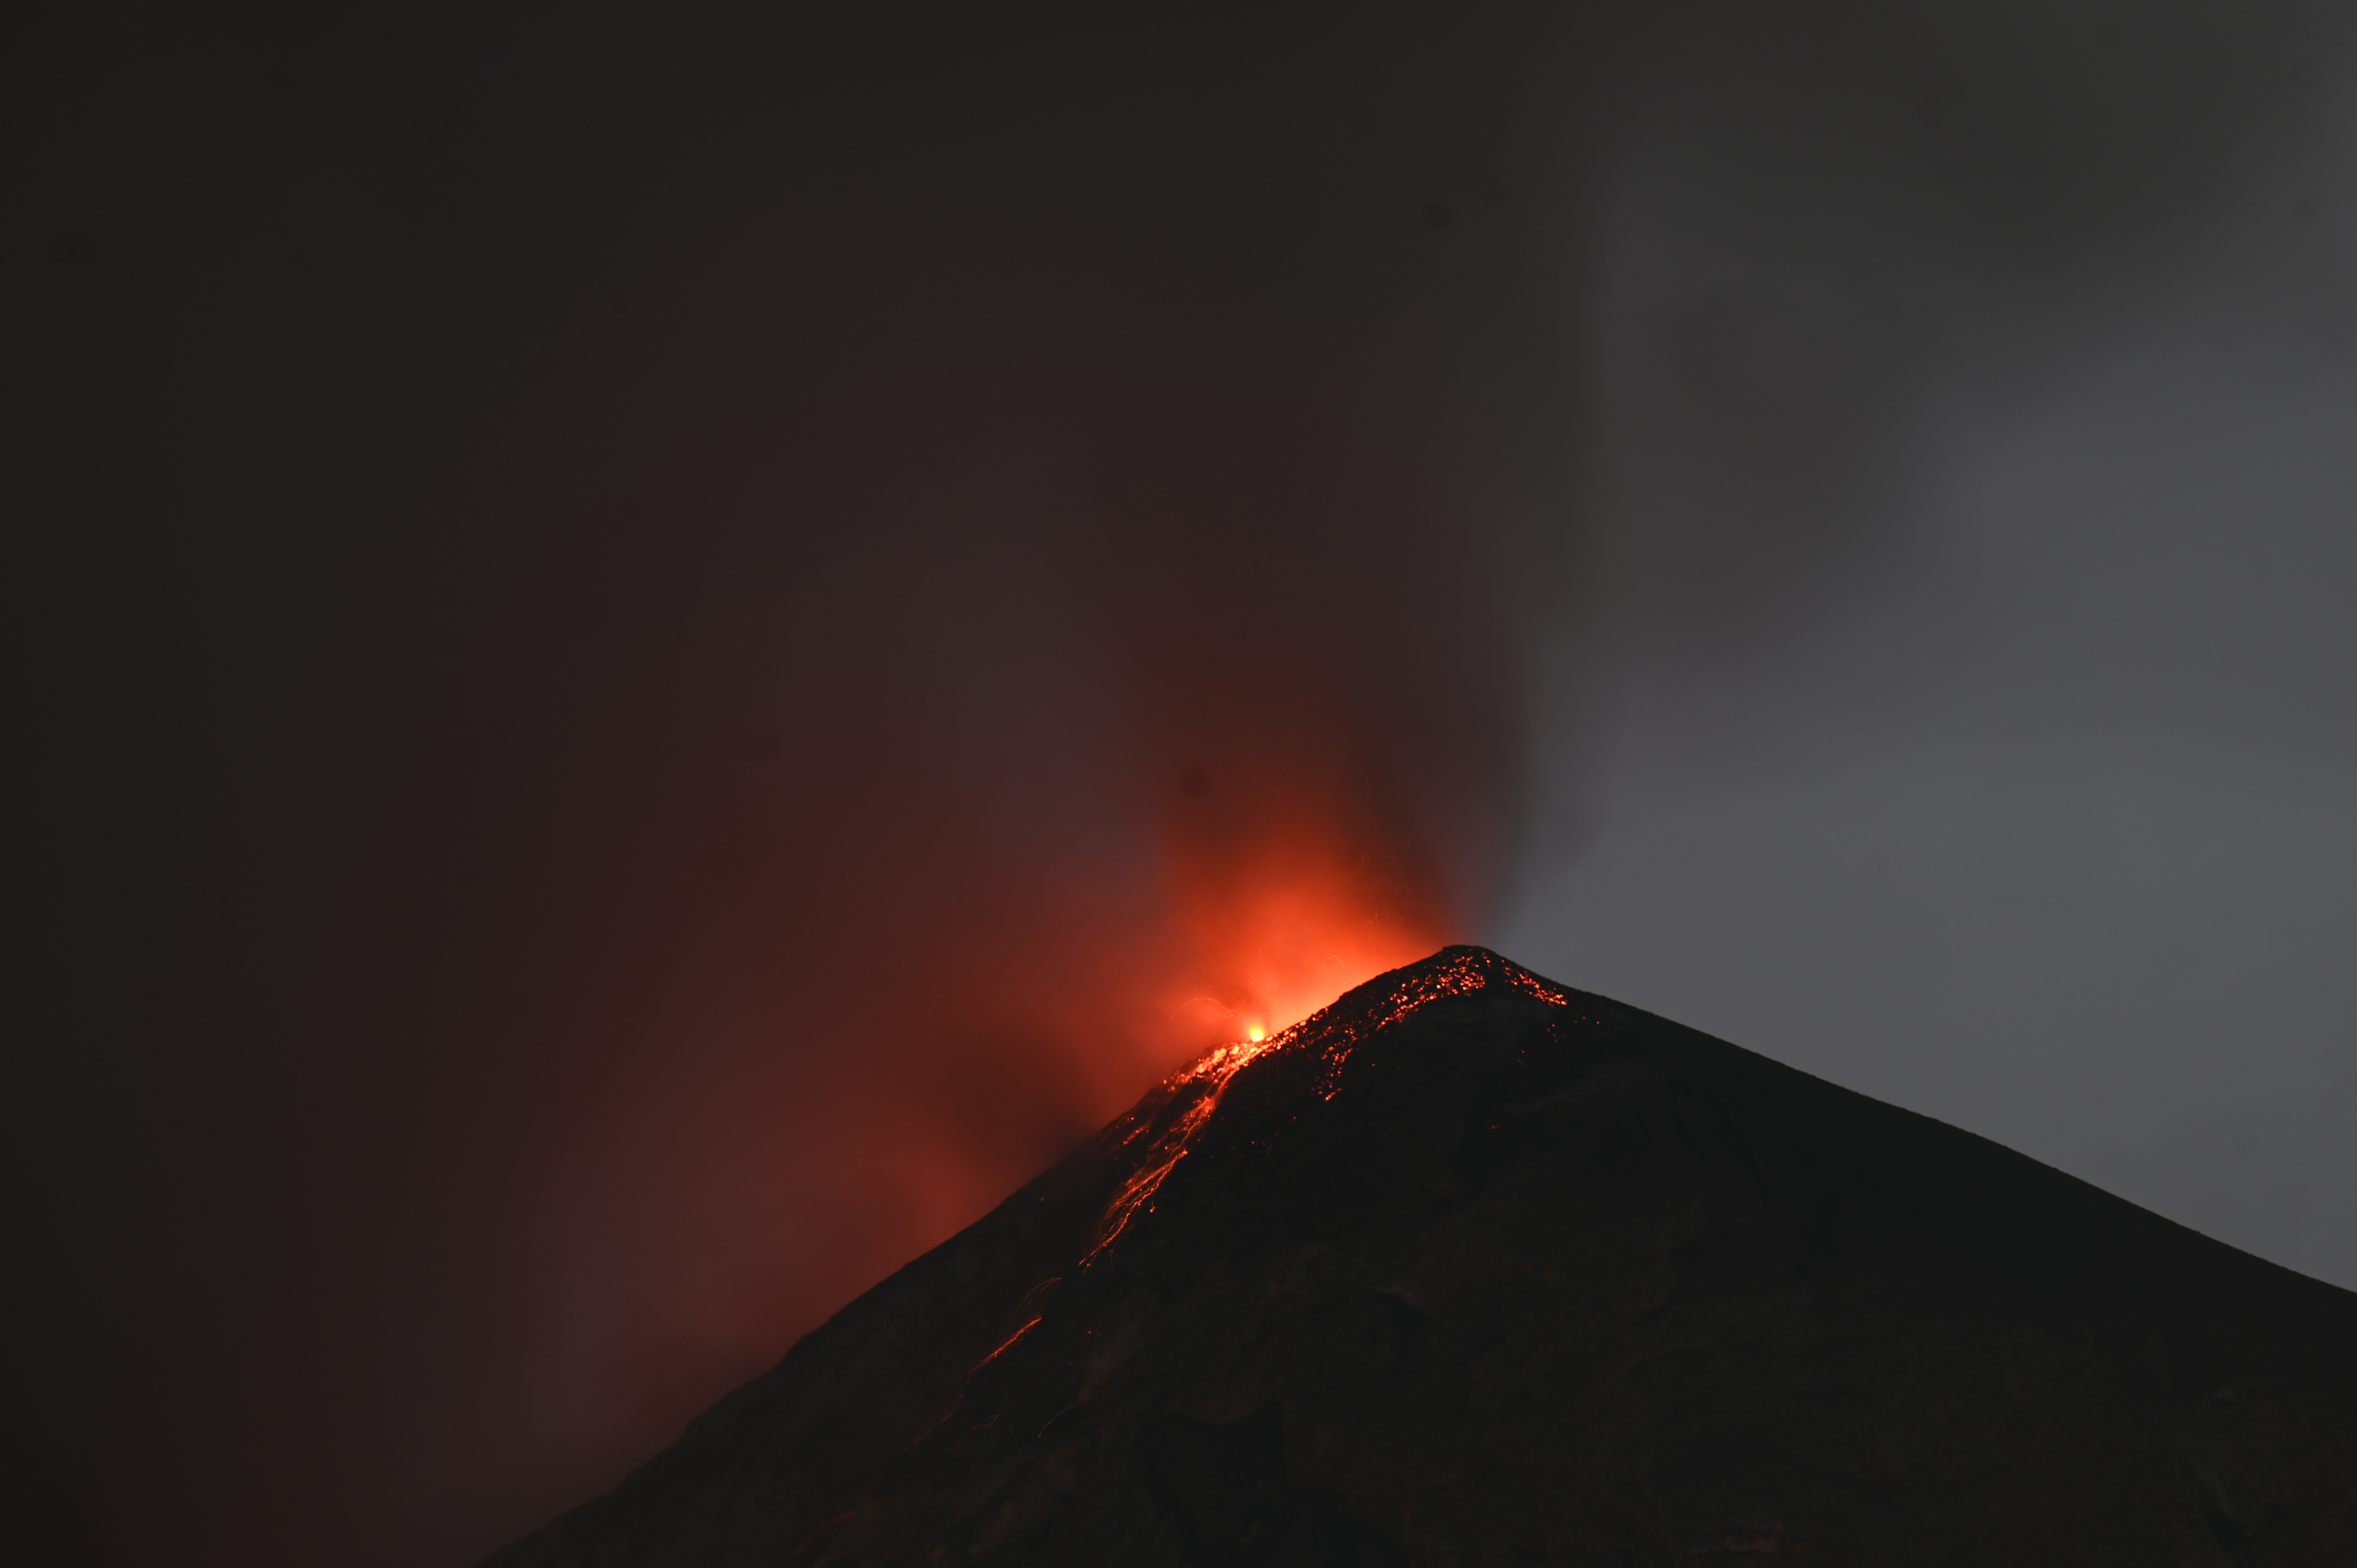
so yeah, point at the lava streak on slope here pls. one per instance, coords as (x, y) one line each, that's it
(1470, 1267)
(1162, 1127)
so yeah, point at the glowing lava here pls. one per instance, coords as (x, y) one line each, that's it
(1197, 1086)
(1163, 1128)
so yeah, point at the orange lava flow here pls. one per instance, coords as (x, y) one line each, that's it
(1330, 1033)
(1205, 1078)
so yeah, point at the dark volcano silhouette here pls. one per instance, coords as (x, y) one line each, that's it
(1471, 1268)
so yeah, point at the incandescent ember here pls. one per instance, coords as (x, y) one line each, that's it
(1468, 1268)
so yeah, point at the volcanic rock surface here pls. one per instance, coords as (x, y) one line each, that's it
(1471, 1268)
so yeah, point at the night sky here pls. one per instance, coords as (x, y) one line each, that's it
(659, 652)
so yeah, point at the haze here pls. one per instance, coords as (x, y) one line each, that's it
(664, 651)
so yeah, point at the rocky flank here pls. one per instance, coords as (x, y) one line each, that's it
(1470, 1269)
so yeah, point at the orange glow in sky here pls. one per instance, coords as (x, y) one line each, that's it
(1288, 890)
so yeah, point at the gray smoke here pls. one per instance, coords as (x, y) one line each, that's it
(1973, 455)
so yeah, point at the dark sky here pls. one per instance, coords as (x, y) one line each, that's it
(658, 651)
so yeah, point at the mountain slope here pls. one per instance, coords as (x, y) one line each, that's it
(1472, 1269)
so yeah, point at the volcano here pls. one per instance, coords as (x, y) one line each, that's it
(1473, 1268)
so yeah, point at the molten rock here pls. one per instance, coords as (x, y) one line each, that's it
(1470, 1269)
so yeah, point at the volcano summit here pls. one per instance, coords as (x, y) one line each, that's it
(1471, 1268)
